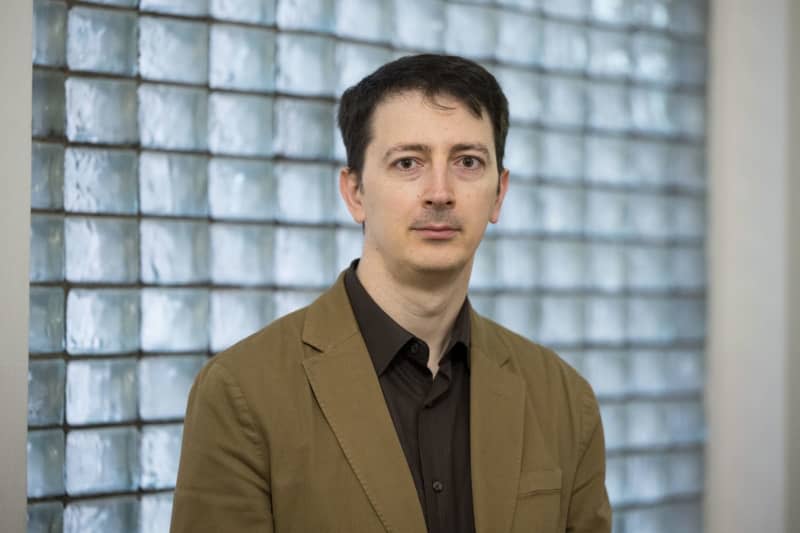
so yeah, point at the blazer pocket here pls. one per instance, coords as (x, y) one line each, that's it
(540, 482)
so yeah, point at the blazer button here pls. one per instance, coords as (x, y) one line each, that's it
(438, 486)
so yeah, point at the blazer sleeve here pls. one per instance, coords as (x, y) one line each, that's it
(589, 510)
(223, 476)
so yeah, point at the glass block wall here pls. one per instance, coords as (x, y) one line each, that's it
(184, 194)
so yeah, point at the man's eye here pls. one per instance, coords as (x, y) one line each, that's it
(469, 161)
(405, 164)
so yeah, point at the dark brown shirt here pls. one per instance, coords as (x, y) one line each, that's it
(430, 414)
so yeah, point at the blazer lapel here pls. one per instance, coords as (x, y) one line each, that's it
(347, 390)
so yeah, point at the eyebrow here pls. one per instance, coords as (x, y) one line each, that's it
(424, 148)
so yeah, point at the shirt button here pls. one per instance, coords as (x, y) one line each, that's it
(438, 486)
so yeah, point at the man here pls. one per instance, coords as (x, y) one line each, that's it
(388, 404)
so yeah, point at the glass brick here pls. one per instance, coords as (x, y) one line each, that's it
(236, 314)
(174, 251)
(484, 266)
(649, 372)
(650, 162)
(519, 39)
(521, 209)
(48, 104)
(685, 423)
(561, 209)
(689, 318)
(650, 111)
(155, 512)
(240, 124)
(650, 320)
(564, 101)
(608, 107)
(646, 424)
(46, 321)
(685, 370)
(615, 484)
(241, 189)
(685, 473)
(122, 3)
(649, 215)
(164, 384)
(314, 15)
(518, 312)
(253, 11)
(242, 254)
(101, 391)
(607, 159)
(173, 117)
(349, 245)
(688, 165)
(177, 7)
(565, 46)
(691, 63)
(305, 192)
(522, 88)
(46, 380)
(356, 61)
(611, 11)
(305, 65)
(101, 516)
(517, 263)
(648, 478)
(522, 4)
(615, 422)
(689, 16)
(47, 176)
(160, 449)
(562, 264)
(306, 255)
(101, 40)
(654, 13)
(101, 111)
(174, 320)
(242, 58)
(605, 267)
(562, 320)
(47, 517)
(689, 115)
(101, 250)
(363, 19)
(654, 57)
(609, 53)
(565, 8)
(418, 24)
(173, 50)
(45, 463)
(648, 268)
(688, 267)
(606, 213)
(562, 156)
(173, 184)
(100, 181)
(605, 320)
(47, 248)
(288, 301)
(103, 321)
(606, 371)
(304, 128)
(483, 304)
(470, 31)
(522, 152)
(49, 32)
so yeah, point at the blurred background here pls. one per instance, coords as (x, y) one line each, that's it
(183, 194)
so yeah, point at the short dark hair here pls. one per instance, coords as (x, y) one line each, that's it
(433, 74)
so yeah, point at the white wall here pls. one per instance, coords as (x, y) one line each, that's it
(751, 242)
(15, 155)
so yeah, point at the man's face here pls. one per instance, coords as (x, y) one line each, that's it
(430, 184)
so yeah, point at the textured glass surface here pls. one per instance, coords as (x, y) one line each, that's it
(45, 517)
(100, 181)
(523, 92)
(101, 250)
(306, 192)
(304, 128)
(465, 35)
(521, 210)
(307, 256)
(101, 516)
(418, 24)
(305, 65)
(102, 321)
(48, 103)
(242, 254)
(565, 8)
(173, 117)
(178, 7)
(255, 11)
(155, 512)
(47, 176)
(565, 46)
(609, 53)
(235, 314)
(46, 328)
(562, 156)
(563, 101)
(242, 58)
(45, 462)
(354, 61)
(160, 450)
(101, 40)
(164, 382)
(519, 39)
(522, 152)
(46, 392)
(174, 320)
(101, 111)
(240, 124)
(49, 32)
(47, 248)
(173, 50)
(305, 14)
(173, 184)
(363, 19)
(101, 391)
(101, 460)
(174, 251)
(241, 189)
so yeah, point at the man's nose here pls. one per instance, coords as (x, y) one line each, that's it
(439, 188)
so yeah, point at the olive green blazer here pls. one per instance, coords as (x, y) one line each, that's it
(288, 431)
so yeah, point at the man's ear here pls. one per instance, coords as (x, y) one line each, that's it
(352, 193)
(502, 188)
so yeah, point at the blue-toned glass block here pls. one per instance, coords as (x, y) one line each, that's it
(650, 110)
(173, 50)
(646, 424)
(689, 115)
(240, 124)
(254, 11)
(483, 304)
(650, 162)
(48, 103)
(565, 8)
(685, 421)
(306, 65)
(100, 181)
(685, 470)
(315, 15)
(164, 384)
(684, 517)
(648, 267)
(102, 460)
(174, 320)
(609, 53)
(562, 264)
(653, 13)
(47, 176)
(650, 372)
(607, 159)
(174, 251)
(562, 320)
(688, 164)
(46, 392)
(649, 215)
(615, 485)
(49, 32)
(565, 46)
(648, 479)
(101, 111)
(604, 320)
(418, 24)
(235, 314)
(527, 5)
(606, 371)
(104, 250)
(606, 214)
(615, 425)
(689, 16)
(47, 248)
(517, 262)
(470, 30)
(159, 451)
(155, 512)
(654, 57)
(102, 40)
(605, 267)
(363, 19)
(306, 256)
(484, 267)
(689, 317)
(173, 117)
(242, 58)
(288, 301)
(102, 516)
(519, 39)
(101, 391)
(178, 7)
(688, 267)
(522, 88)
(46, 322)
(562, 209)
(562, 156)
(47, 517)
(518, 312)
(242, 254)
(121, 3)
(349, 245)
(521, 210)
(173, 184)
(522, 152)
(241, 189)
(609, 107)
(304, 128)
(355, 61)
(45, 463)
(691, 63)
(305, 192)
(617, 12)
(103, 321)
(651, 320)
(564, 102)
